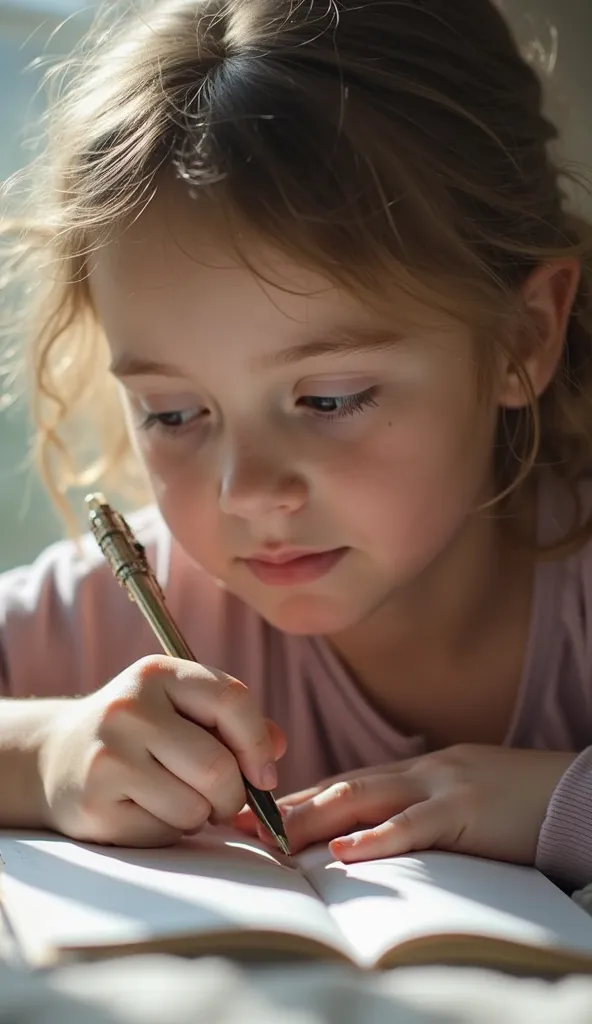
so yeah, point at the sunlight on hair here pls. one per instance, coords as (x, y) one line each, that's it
(340, 136)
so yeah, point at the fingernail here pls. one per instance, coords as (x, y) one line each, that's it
(345, 841)
(269, 776)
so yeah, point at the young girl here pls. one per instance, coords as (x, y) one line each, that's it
(310, 267)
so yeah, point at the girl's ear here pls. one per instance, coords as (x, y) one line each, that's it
(548, 294)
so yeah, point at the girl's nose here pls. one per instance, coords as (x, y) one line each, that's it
(254, 485)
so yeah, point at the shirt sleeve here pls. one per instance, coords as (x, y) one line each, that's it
(564, 851)
(66, 627)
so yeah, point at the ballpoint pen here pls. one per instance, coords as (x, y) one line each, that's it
(128, 562)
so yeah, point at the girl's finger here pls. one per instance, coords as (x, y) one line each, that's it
(397, 768)
(364, 800)
(219, 702)
(246, 821)
(194, 756)
(390, 768)
(166, 797)
(126, 824)
(420, 826)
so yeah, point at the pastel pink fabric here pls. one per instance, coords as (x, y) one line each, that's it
(66, 628)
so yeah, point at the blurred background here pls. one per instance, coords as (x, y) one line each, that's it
(29, 30)
(558, 32)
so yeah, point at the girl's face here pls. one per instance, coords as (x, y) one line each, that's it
(279, 417)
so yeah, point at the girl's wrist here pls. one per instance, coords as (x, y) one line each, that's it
(27, 726)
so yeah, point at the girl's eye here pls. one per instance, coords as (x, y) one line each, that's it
(337, 407)
(326, 407)
(171, 422)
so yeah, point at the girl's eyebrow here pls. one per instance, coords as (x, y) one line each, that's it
(128, 365)
(339, 341)
(335, 342)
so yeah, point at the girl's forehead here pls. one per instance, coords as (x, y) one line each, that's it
(165, 247)
(177, 258)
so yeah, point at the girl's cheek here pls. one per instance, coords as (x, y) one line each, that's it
(167, 462)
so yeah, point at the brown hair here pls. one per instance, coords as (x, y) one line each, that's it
(379, 140)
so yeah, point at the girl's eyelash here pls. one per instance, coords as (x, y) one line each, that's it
(348, 405)
(162, 420)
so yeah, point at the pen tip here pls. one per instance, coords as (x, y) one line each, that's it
(283, 845)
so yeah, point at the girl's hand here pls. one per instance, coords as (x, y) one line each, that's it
(154, 754)
(481, 800)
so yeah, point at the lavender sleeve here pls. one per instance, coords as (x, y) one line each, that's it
(564, 850)
(565, 843)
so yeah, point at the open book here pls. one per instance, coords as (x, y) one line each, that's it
(222, 893)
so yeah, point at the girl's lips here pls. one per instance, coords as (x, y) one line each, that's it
(301, 569)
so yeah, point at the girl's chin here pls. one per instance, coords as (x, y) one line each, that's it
(310, 615)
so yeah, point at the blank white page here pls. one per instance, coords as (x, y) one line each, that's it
(60, 893)
(379, 904)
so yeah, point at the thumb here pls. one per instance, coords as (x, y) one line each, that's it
(278, 738)
(245, 820)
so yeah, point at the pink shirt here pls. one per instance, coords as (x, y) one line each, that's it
(66, 628)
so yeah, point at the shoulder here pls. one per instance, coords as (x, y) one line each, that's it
(66, 627)
(65, 624)
(65, 567)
